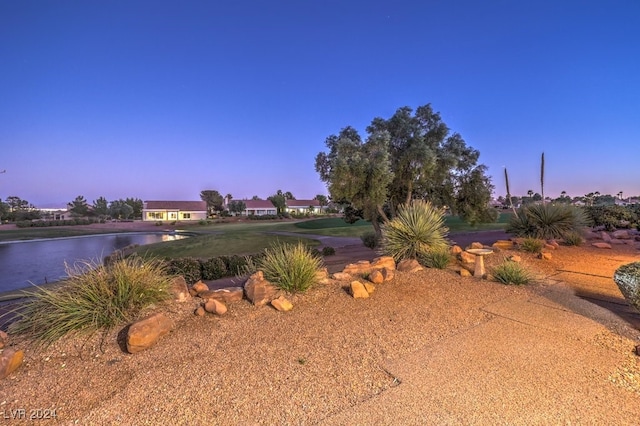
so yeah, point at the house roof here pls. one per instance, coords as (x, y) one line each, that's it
(303, 203)
(258, 204)
(176, 205)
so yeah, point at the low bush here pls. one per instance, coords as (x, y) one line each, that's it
(369, 240)
(573, 239)
(189, 267)
(438, 259)
(510, 272)
(328, 251)
(290, 267)
(214, 269)
(235, 264)
(612, 217)
(94, 297)
(532, 245)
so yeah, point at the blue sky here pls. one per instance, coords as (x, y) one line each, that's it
(160, 100)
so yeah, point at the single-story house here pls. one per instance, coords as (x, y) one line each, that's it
(304, 206)
(258, 208)
(174, 210)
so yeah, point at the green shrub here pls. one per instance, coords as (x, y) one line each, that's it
(509, 272)
(188, 267)
(328, 251)
(235, 264)
(214, 269)
(438, 259)
(612, 217)
(547, 221)
(290, 267)
(94, 297)
(417, 230)
(532, 245)
(573, 239)
(369, 240)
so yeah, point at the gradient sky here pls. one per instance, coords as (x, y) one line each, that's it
(162, 99)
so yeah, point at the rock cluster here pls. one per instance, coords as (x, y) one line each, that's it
(605, 240)
(10, 358)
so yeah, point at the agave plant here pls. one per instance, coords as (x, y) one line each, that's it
(417, 230)
(546, 221)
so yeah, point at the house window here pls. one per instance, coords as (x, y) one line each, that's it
(172, 216)
(155, 215)
(186, 215)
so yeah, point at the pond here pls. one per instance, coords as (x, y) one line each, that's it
(23, 263)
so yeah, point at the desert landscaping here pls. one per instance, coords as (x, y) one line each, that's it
(427, 346)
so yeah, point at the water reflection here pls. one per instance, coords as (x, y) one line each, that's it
(42, 261)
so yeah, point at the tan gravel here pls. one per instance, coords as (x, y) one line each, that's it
(419, 340)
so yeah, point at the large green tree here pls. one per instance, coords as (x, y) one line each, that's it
(408, 156)
(279, 199)
(137, 205)
(214, 200)
(120, 209)
(101, 207)
(78, 207)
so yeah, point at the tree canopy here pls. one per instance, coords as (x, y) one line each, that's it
(408, 156)
(214, 200)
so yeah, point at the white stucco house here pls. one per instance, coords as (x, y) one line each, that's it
(174, 210)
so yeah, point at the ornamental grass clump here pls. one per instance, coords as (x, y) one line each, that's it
(291, 267)
(510, 272)
(547, 221)
(416, 231)
(438, 259)
(532, 245)
(573, 239)
(94, 297)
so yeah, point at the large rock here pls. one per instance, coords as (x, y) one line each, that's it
(409, 265)
(10, 360)
(258, 290)
(376, 277)
(622, 234)
(466, 257)
(388, 274)
(179, 289)
(455, 250)
(224, 295)
(145, 333)
(503, 245)
(322, 276)
(358, 290)
(476, 245)
(359, 268)
(627, 278)
(282, 304)
(198, 288)
(605, 237)
(214, 306)
(4, 339)
(383, 262)
(602, 245)
(341, 276)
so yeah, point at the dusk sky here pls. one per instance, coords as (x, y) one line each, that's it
(159, 100)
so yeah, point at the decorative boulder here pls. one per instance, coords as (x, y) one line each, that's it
(4, 338)
(388, 274)
(322, 276)
(145, 333)
(544, 256)
(179, 289)
(409, 265)
(376, 277)
(476, 245)
(602, 245)
(360, 267)
(383, 262)
(198, 288)
(214, 306)
(341, 276)
(258, 290)
(455, 250)
(503, 245)
(622, 234)
(358, 290)
(465, 272)
(281, 304)
(627, 278)
(466, 257)
(10, 360)
(224, 295)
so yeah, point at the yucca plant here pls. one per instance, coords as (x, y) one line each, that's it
(547, 221)
(93, 297)
(510, 272)
(573, 239)
(417, 230)
(291, 267)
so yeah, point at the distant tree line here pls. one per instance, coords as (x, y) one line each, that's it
(217, 204)
(15, 209)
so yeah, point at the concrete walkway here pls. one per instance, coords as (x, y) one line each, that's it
(533, 362)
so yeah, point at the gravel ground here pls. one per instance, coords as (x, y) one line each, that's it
(256, 365)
